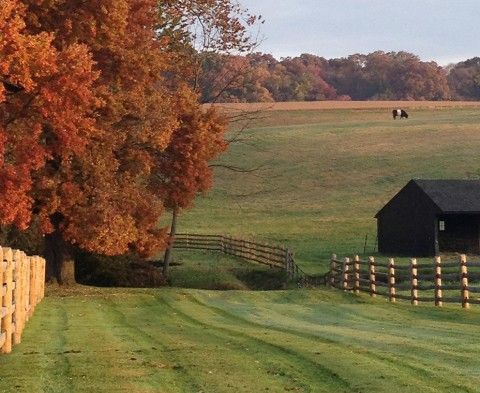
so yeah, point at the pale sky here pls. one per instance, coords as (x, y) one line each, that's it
(441, 30)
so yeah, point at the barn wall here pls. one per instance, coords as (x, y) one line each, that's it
(461, 233)
(407, 224)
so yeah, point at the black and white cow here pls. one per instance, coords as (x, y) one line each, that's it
(399, 112)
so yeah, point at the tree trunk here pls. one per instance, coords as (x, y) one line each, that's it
(168, 252)
(60, 264)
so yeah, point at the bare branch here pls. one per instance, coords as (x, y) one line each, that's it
(234, 168)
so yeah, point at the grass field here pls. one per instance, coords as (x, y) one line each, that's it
(324, 174)
(173, 340)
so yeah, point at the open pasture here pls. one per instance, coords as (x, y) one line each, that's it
(324, 172)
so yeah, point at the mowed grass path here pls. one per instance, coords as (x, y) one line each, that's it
(91, 340)
(325, 173)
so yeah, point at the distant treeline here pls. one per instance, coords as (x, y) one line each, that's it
(379, 75)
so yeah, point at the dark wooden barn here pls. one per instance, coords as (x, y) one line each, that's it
(428, 217)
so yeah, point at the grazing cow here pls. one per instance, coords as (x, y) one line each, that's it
(399, 112)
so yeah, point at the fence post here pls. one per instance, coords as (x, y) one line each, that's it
(391, 280)
(31, 290)
(3, 269)
(222, 244)
(225, 244)
(235, 246)
(226, 240)
(294, 265)
(438, 282)
(43, 266)
(345, 274)
(373, 287)
(464, 278)
(333, 267)
(7, 301)
(17, 295)
(290, 265)
(37, 282)
(26, 285)
(356, 269)
(414, 276)
(285, 259)
(287, 263)
(24, 305)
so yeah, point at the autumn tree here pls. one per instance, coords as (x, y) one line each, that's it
(464, 79)
(227, 78)
(87, 108)
(98, 100)
(183, 167)
(375, 76)
(199, 32)
(346, 75)
(46, 98)
(203, 28)
(305, 77)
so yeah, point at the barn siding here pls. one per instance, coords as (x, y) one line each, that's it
(461, 233)
(407, 224)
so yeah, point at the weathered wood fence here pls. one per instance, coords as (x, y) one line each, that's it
(271, 255)
(436, 282)
(23, 286)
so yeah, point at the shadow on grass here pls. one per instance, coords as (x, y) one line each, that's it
(197, 270)
(203, 270)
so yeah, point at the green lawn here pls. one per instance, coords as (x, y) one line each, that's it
(324, 174)
(172, 340)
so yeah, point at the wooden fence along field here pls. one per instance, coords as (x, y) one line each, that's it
(23, 287)
(271, 255)
(437, 282)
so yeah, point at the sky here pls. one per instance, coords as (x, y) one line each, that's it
(445, 31)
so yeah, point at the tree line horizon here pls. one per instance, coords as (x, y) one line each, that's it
(260, 77)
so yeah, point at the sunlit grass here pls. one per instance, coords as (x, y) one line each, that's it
(173, 340)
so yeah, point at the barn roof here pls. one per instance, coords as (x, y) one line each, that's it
(448, 196)
(452, 196)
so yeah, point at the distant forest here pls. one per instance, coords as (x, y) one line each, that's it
(379, 75)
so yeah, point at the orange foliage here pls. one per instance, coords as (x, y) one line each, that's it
(93, 128)
(183, 166)
(36, 77)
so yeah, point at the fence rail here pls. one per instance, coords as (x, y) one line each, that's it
(266, 254)
(22, 288)
(451, 282)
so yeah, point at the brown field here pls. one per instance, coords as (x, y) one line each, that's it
(315, 105)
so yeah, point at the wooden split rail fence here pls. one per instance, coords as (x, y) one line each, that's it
(23, 287)
(437, 282)
(271, 255)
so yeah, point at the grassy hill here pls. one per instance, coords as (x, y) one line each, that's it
(325, 173)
